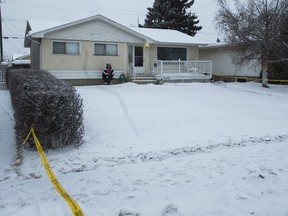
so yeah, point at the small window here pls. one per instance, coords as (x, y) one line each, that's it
(66, 48)
(171, 53)
(106, 49)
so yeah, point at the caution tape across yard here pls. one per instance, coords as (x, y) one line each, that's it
(71, 202)
(250, 78)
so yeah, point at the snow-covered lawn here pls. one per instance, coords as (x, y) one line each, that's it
(203, 149)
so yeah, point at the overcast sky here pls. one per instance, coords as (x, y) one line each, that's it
(15, 14)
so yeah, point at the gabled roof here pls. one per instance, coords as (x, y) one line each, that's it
(42, 26)
(38, 29)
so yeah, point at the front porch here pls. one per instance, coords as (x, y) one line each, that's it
(182, 71)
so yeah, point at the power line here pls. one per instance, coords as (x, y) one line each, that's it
(10, 19)
(12, 37)
(64, 7)
(19, 47)
(16, 27)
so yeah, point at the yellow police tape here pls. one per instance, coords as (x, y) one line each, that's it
(71, 202)
(250, 78)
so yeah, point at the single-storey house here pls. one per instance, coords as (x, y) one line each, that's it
(223, 68)
(78, 51)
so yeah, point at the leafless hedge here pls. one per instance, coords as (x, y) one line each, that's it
(53, 106)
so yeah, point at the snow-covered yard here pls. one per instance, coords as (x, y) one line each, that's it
(203, 149)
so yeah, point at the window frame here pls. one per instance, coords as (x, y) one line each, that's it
(66, 42)
(105, 45)
(171, 47)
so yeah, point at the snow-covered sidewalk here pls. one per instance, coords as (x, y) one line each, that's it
(203, 149)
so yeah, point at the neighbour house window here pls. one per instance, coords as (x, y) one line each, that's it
(66, 48)
(106, 49)
(171, 53)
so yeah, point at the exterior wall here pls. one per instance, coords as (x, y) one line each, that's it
(151, 54)
(86, 65)
(193, 53)
(85, 62)
(222, 62)
(35, 51)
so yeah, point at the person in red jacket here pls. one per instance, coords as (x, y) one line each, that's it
(108, 74)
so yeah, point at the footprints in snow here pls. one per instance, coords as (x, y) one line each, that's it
(169, 210)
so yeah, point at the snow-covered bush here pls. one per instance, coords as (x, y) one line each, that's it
(53, 106)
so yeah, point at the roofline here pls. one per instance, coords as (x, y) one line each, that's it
(41, 34)
(215, 46)
(146, 39)
(181, 44)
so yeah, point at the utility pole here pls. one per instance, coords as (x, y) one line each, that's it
(1, 36)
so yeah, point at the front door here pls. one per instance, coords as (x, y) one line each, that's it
(138, 59)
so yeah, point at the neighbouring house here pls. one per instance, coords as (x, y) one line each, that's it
(223, 67)
(20, 61)
(78, 51)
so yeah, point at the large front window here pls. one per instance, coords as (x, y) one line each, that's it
(106, 49)
(171, 53)
(66, 48)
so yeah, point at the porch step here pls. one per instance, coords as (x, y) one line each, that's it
(144, 80)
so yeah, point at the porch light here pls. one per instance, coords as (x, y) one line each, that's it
(146, 45)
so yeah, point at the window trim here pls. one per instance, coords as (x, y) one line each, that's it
(94, 50)
(173, 47)
(63, 41)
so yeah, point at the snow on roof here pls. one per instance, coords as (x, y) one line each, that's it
(169, 36)
(20, 56)
(215, 45)
(41, 25)
(157, 35)
(20, 62)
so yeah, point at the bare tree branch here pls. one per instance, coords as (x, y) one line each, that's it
(255, 29)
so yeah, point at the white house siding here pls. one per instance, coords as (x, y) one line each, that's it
(95, 30)
(150, 56)
(193, 53)
(222, 62)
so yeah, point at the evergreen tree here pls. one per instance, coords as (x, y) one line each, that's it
(166, 14)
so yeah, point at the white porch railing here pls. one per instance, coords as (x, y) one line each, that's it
(132, 71)
(182, 70)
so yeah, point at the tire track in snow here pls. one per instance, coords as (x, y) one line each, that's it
(125, 109)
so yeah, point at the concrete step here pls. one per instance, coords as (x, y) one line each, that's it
(145, 80)
(142, 78)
